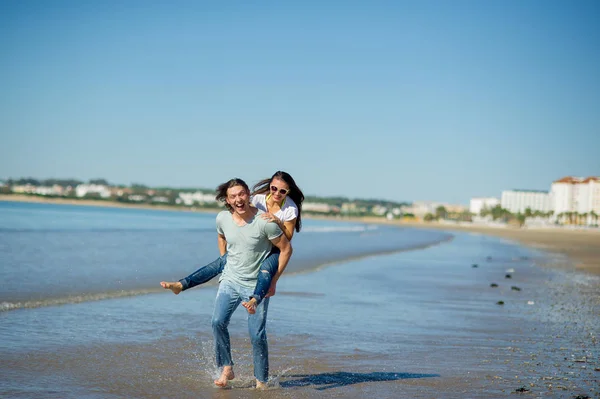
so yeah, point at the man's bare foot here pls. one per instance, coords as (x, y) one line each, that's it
(250, 305)
(261, 385)
(175, 287)
(226, 375)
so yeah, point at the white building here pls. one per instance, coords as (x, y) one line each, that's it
(517, 201)
(198, 197)
(479, 203)
(421, 208)
(318, 207)
(46, 190)
(577, 195)
(83, 189)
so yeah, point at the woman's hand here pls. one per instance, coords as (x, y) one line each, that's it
(271, 218)
(272, 289)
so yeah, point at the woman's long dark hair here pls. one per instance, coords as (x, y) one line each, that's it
(222, 190)
(264, 187)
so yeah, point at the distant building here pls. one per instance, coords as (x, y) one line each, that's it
(137, 198)
(84, 189)
(347, 208)
(517, 201)
(55, 190)
(577, 194)
(319, 207)
(24, 189)
(198, 197)
(379, 210)
(478, 203)
(422, 208)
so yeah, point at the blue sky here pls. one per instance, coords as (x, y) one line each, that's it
(399, 100)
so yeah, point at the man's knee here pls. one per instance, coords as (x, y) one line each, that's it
(218, 323)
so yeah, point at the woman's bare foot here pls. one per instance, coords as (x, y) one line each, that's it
(261, 385)
(226, 375)
(175, 287)
(250, 305)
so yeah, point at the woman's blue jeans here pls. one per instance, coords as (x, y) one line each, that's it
(265, 275)
(229, 296)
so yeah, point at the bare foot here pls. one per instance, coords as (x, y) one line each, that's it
(261, 385)
(175, 287)
(250, 305)
(226, 375)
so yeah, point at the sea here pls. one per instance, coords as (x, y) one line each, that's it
(363, 310)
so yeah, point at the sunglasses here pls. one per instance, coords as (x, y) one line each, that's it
(281, 190)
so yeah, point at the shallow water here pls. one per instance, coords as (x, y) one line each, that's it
(422, 323)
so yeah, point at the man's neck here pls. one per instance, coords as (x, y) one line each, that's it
(247, 216)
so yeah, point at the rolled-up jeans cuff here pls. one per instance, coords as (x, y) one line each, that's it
(184, 284)
(257, 297)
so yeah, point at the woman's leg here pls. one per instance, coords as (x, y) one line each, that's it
(205, 273)
(268, 269)
(200, 276)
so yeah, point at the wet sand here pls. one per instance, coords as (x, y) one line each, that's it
(425, 326)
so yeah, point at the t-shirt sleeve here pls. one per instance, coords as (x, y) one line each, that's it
(290, 214)
(273, 231)
(220, 223)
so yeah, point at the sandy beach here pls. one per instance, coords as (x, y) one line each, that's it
(582, 247)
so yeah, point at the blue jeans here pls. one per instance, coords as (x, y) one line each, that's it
(229, 296)
(265, 275)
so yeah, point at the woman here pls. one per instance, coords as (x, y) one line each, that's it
(280, 199)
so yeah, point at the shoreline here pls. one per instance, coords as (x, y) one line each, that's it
(99, 203)
(582, 247)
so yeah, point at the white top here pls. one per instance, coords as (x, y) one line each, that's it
(289, 210)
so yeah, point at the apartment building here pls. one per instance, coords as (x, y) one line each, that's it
(479, 203)
(579, 195)
(517, 201)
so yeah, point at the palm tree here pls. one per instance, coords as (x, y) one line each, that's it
(594, 216)
(584, 216)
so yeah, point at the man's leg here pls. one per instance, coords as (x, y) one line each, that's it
(268, 269)
(200, 276)
(226, 302)
(257, 324)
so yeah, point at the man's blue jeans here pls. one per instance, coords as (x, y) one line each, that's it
(229, 296)
(265, 275)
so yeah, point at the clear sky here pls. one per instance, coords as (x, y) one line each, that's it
(399, 100)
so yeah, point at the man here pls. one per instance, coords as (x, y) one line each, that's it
(247, 239)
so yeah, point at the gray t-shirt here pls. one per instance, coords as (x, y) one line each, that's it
(247, 247)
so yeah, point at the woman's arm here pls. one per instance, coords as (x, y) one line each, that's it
(285, 254)
(287, 227)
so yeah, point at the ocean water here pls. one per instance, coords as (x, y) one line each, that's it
(362, 311)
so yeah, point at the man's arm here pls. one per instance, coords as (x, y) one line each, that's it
(285, 247)
(222, 244)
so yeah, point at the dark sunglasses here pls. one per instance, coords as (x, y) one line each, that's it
(281, 190)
